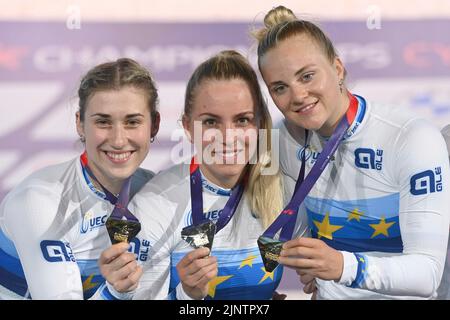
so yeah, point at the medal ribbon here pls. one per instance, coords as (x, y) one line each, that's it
(287, 218)
(121, 202)
(197, 199)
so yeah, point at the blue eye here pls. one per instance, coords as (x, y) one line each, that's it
(308, 77)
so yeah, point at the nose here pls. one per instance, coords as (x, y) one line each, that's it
(298, 93)
(118, 137)
(228, 133)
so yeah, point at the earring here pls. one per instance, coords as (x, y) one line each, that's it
(82, 139)
(152, 139)
(341, 83)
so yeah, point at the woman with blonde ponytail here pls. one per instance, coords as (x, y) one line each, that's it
(231, 185)
(376, 194)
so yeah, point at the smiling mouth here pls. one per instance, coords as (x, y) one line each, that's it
(307, 108)
(228, 153)
(118, 157)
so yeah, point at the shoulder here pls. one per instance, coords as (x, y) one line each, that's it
(139, 179)
(283, 132)
(421, 133)
(48, 181)
(168, 186)
(163, 199)
(50, 174)
(446, 134)
(142, 174)
(168, 180)
(32, 207)
(397, 126)
(394, 116)
(35, 201)
(418, 146)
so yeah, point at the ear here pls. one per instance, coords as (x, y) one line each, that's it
(187, 127)
(156, 119)
(340, 69)
(79, 123)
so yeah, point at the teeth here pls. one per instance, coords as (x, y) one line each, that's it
(308, 107)
(119, 156)
(227, 153)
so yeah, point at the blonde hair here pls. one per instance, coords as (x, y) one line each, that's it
(264, 192)
(281, 23)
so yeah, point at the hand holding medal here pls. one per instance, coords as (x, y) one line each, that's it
(270, 248)
(200, 235)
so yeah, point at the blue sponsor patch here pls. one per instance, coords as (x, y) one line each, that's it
(56, 251)
(425, 182)
(366, 158)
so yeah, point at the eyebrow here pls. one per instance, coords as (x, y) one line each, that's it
(104, 115)
(216, 116)
(300, 71)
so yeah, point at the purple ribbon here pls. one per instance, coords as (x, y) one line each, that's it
(197, 200)
(287, 218)
(121, 202)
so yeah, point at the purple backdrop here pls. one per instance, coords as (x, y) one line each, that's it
(406, 62)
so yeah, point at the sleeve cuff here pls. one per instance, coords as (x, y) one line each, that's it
(181, 294)
(109, 293)
(350, 269)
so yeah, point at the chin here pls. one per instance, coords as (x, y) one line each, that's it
(308, 124)
(230, 170)
(121, 174)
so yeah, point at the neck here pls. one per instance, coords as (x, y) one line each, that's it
(295, 131)
(221, 181)
(112, 186)
(330, 125)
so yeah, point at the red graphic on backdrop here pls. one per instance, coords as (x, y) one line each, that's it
(11, 56)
